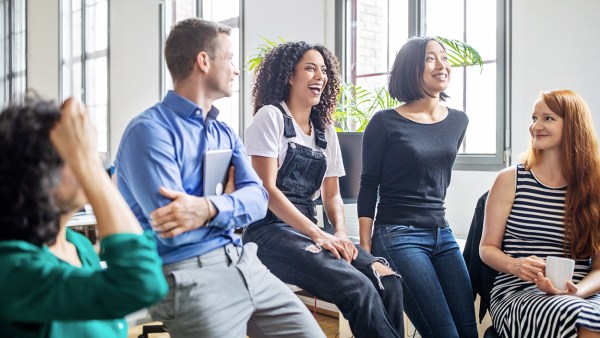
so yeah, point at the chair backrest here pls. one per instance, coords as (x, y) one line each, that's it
(482, 276)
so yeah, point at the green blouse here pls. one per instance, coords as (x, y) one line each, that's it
(43, 296)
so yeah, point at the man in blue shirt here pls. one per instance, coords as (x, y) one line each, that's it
(217, 287)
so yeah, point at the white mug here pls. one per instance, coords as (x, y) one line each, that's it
(559, 270)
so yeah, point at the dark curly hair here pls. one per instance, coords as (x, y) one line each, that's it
(273, 75)
(29, 169)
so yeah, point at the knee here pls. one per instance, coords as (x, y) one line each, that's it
(383, 270)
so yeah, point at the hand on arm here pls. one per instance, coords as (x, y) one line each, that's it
(185, 212)
(334, 208)
(75, 140)
(266, 168)
(498, 207)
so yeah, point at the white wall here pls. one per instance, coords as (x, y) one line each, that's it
(43, 52)
(307, 20)
(134, 63)
(553, 46)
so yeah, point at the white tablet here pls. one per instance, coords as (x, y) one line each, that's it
(216, 167)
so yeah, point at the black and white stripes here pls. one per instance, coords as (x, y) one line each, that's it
(535, 227)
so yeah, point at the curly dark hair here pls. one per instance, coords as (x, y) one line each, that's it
(273, 75)
(29, 169)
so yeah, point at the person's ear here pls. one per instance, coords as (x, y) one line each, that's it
(203, 61)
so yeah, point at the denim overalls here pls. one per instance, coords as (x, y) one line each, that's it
(302, 171)
(372, 305)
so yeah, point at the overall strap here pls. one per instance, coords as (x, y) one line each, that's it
(319, 133)
(288, 124)
(289, 131)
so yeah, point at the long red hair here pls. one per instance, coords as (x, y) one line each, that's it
(581, 168)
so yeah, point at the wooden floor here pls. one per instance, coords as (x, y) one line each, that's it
(327, 323)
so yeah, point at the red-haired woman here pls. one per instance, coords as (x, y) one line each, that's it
(549, 205)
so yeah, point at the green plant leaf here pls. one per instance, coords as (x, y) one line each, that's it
(260, 52)
(461, 54)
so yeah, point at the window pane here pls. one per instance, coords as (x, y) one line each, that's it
(481, 27)
(371, 37)
(219, 10)
(398, 28)
(229, 109)
(96, 95)
(445, 18)
(76, 32)
(96, 82)
(184, 9)
(96, 30)
(372, 83)
(481, 105)
(456, 89)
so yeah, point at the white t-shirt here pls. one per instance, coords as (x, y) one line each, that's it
(265, 137)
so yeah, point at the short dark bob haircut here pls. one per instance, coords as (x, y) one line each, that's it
(29, 170)
(275, 71)
(406, 78)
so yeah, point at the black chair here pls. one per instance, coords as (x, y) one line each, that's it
(481, 275)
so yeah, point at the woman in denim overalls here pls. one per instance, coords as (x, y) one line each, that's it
(296, 153)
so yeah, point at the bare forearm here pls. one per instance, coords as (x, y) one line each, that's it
(497, 259)
(365, 225)
(288, 213)
(590, 285)
(334, 207)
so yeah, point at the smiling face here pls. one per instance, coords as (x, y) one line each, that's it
(546, 127)
(309, 79)
(436, 70)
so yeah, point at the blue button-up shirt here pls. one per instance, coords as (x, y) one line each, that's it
(165, 146)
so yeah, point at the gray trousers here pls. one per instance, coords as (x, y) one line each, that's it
(228, 292)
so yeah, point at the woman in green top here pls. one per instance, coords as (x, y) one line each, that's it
(51, 282)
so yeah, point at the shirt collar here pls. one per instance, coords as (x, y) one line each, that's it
(186, 108)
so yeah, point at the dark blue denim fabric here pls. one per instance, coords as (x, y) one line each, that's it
(436, 285)
(373, 310)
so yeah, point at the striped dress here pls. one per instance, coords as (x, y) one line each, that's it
(535, 226)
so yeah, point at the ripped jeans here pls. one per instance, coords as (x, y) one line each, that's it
(371, 303)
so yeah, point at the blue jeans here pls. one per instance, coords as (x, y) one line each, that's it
(437, 290)
(372, 304)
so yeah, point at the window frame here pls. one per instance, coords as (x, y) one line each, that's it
(233, 22)
(416, 27)
(85, 58)
(9, 74)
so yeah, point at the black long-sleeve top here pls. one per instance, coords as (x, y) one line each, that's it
(410, 164)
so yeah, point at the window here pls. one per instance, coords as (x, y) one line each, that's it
(226, 12)
(377, 29)
(84, 59)
(13, 47)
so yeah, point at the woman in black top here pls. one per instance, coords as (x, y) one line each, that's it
(408, 153)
